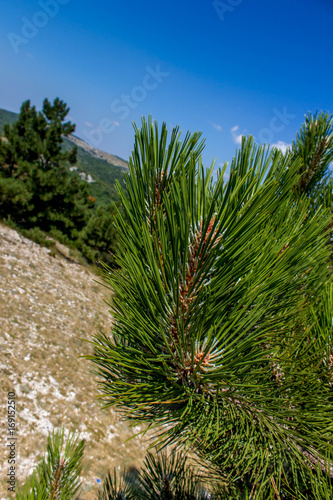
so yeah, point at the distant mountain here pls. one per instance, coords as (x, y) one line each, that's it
(97, 153)
(97, 167)
(7, 117)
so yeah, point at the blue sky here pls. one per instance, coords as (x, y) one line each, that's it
(227, 67)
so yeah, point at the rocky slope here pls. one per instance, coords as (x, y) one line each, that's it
(48, 306)
(98, 153)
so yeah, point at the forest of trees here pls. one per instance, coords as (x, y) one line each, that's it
(38, 192)
(222, 310)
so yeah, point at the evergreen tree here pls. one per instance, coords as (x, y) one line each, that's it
(214, 340)
(57, 476)
(36, 187)
(36, 137)
(99, 236)
(161, 478)
(314, 145)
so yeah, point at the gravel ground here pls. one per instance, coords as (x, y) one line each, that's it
(47, 305)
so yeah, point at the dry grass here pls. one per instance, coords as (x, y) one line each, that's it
(47, 304)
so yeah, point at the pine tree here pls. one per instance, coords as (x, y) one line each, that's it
(162, 477)
(99, 236)
(36, 188)
(36, 137)
(214, 342)
(314, 145)
(57, 476)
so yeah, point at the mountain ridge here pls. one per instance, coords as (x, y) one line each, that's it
(98, 153)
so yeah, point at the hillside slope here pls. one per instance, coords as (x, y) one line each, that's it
(97, 153)
(47, 306)
(7, 117)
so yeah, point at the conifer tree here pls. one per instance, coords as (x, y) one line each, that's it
(99, 235)
(214, 343)
(36, 188)
(57, 476)
(36, 137)
(314, 145)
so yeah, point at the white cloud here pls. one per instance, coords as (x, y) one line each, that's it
(117, 124)
(88, 124)
(283, 146)
(236, 137)
(217, 126)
